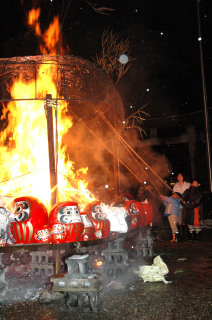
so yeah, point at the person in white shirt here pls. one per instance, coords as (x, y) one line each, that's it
(180, 187)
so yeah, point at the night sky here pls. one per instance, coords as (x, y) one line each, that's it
(165, 73)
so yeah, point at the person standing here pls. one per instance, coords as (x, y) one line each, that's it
(192, 198)
(145, 196)
(172, 210)
(180, 187)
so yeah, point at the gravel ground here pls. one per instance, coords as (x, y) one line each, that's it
(188, 296)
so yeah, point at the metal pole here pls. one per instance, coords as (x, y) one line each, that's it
(204, 97)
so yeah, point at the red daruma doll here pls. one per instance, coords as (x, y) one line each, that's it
(65, 222)
(27, 214)
(133, 212)
(89, 230)
(58, 233)
(42, 235)
(101, 224)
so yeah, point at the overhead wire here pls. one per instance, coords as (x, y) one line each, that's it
(176, 115)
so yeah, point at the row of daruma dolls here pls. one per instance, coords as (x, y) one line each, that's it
(29, 221)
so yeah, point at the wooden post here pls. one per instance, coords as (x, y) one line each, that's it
(57, 258)
(52, 169)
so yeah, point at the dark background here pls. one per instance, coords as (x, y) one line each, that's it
(165, 74)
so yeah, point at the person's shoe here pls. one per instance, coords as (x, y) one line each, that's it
(177, 237)
(191, 236)
(197, 237)
(173, 237)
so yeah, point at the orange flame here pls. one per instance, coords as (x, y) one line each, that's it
(24, 144)
(51, 37)
(98, 263)
(33, 19)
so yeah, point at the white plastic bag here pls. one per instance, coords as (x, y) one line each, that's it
(155, 272)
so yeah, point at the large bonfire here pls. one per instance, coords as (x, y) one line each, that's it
(24, 144)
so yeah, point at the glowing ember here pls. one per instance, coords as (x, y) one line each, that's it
(24, 144)
(98, 263)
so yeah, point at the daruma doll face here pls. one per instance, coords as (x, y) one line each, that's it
(27, 214)
(42, 235)
(58, 233)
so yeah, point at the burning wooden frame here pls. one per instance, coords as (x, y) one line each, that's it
(73, 88)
